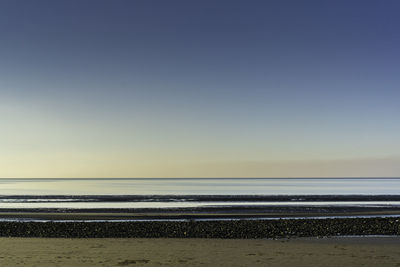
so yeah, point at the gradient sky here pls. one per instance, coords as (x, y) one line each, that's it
(199, 88)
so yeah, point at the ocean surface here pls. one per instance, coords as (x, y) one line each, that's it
(194, 192)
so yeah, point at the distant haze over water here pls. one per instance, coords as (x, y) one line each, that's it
(200, 186)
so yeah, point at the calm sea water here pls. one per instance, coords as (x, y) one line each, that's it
(182, 186)
(201, 186)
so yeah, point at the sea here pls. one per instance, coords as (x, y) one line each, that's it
(131, 193)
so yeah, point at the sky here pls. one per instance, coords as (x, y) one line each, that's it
(199, 88)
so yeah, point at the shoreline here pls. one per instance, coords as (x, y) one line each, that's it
(106, 216)
(201, 213)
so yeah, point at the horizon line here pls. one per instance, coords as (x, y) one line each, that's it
(300, 177)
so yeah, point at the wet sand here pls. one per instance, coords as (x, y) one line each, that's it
(343, 251)
(183, 215)
(239, 212)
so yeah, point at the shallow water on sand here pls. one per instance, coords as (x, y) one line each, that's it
(91, 193)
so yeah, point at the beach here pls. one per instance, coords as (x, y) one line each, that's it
(112, 228)
(339, 251)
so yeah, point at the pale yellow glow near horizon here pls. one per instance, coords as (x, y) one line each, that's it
(46, 143)
(86, 167)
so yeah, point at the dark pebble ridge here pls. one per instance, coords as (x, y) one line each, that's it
(205, 229)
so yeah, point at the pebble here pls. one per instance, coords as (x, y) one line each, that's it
(206, 229)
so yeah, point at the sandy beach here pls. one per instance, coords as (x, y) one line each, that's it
(343, 251)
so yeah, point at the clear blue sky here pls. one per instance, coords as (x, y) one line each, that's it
(199, 88)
